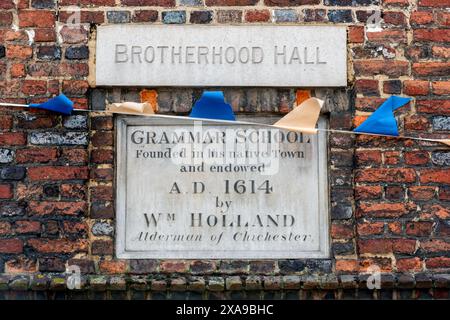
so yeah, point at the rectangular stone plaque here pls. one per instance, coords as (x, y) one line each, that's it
(273, 56)
(244, 192)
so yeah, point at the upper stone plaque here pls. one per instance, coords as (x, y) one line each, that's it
(257, 56)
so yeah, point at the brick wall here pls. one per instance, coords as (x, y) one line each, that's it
(389, 198)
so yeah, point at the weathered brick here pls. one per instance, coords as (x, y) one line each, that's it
(340, 16)
(6, 155)
(392, 68)
(47, 208)
(388, 210)
(386, 175)
(417, 157)
(229, 16)
(416, 87)
(201, 17)
(57, 173)
(377, 246)
(39, 19)
(58, 245)
(431, 68)
(257, 15)
(18, 52)
(12, 173)
(421, 193)
(102, 247)
(435, 176)
(12, 246)
(145, 16)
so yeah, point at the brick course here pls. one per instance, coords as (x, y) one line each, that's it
(389, 198)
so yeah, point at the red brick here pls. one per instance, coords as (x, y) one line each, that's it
(74, 155)
(356, 34)
(421, 17)
(417, 157)
(58, 245)
(75, 87)
(36, 18)
(386, 175)
(441, 52)
(36, 155)
(341, 231)
(257, 15)
(57, 173)
(416, 87)
(98, 3)
(395, 227)
(15, 51)
(431, 211)
(370, 228)
(34, 87)
(96, 17)
(367, 192)
(435, 245)
(432, 35)
(12, 139)
(11, 246)
(102, 193)
(102, 247)
(7, 4)
(174, 266)
(149, 3)
(441, 87)
(45, 208)
(385, 264)
(112, 266)
(441, 107)
(419, 228)
(25, 226)
(409, 265)
(350, 266)
(387, 36)
(421, 193)
(367, 87)
(431, 68)
(383, 246)
(102, 156)
(73, 191)
(287, 3)
(434, 3)
(386, 210)
(20, 265)
(400, 3)
(416, 122)
(6, 122)
(437, 263)
(6, 191)
(443, 18)
(145, 16)
(75, 227)
(44, 35)
(17, 70)
(435, 176)
(102, 139)
(221, 3)
(26, 192)
(391, 157)
(368, 157)
(393, 68)
(6, 18)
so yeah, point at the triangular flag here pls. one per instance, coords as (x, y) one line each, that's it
(60, 104)
(303, 118)
(382, 121)
(130, 108)
(212, 105)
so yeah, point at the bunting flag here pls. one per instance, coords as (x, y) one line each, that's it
(130, 108)
(60, 104)
(212, 105)
(303, 118)
(382, 121)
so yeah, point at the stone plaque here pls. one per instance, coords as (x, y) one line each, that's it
(273, 56)
(198, 190)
